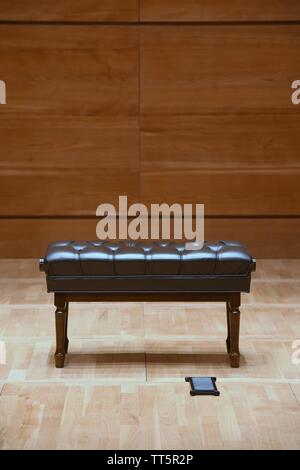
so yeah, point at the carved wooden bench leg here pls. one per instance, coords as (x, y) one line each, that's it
(234, 330)
(66, 328)
(228, 328)
(60, 325)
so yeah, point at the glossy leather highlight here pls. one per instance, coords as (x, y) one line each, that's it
(128, 266)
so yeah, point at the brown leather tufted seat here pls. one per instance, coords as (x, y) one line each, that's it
(135, 266)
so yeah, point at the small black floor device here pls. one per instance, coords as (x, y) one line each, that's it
(203, 386)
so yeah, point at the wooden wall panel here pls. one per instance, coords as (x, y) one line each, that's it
(219, 10)
(149, 10)
(192, 70)
(69, 131)
(218, 125)
(214, 122)
(69, 10)
(231, 192)
(266, 238)
(64, 191)
(220, 141)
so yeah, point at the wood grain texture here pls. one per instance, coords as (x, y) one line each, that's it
(218, 125)
(192, 70)
(220, 141)
(64, 191)
(214, 122)
(69, 10)
(124, 385)
(168, 358)
(266, 238)
(78, 143)
(139, 416)
(216, 10)
(230, 192)
(70, 126)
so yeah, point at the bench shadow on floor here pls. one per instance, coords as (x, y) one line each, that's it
(92, 359)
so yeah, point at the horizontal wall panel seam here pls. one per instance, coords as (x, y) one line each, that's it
(150, 23)
(91, 217)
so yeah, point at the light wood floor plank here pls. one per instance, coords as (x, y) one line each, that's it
(164, 416)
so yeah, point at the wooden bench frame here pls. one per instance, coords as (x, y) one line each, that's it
(233, 302)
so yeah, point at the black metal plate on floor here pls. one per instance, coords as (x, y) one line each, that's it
(203, 386)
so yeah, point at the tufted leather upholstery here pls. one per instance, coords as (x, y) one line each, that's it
(97, 258)
(97, 265)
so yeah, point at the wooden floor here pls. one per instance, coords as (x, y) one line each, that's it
(123, 385)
